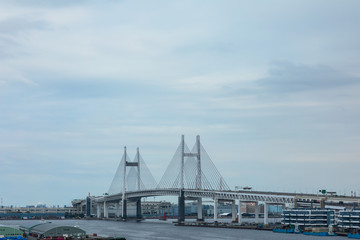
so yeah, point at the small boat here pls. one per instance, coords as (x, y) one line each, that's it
(283, 230)
(354, 235)
(319, 234)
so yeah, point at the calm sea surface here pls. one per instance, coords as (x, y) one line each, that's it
(155, 229)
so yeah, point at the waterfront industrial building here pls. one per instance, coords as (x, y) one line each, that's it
(349, 219)
(45, 230)
(33, 212)
(6, 231)
(308, 217)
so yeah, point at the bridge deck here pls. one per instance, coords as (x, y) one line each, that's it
(256, 196)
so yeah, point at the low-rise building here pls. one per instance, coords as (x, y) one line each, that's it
(6, 231)
(155, 208)
(33, 212)
(349, 219)
(308, 217)
(50, 230)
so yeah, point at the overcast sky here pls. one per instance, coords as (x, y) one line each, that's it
(272, 88)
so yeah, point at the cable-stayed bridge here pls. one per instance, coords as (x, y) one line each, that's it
(190, 175)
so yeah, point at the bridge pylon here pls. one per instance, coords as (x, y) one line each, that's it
(137, 178)
(191, 154)
(181, 199)
(192, 170)
(129, 164)
(131, 176)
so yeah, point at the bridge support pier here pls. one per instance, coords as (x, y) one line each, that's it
(240, 213)
(199, 210)
(296, 202)
(98, 210)
(106, 210)
(322, 203)
(117, 214)
(256, 212)
(266, 214)
(88, 206)
(138, 209)
(123, 210)
(181, 207)
(216, 209)
(233, 211)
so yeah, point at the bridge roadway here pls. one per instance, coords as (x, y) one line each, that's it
(242, 196)
(245, 196)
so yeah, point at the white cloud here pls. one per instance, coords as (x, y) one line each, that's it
(9, 74)
(81, 80)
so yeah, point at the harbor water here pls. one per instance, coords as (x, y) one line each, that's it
(165, 230)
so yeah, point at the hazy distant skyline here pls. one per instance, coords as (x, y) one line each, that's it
(272, 88)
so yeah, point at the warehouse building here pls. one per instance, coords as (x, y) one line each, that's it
(28, 226)
(6, 231)
(52, 230)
